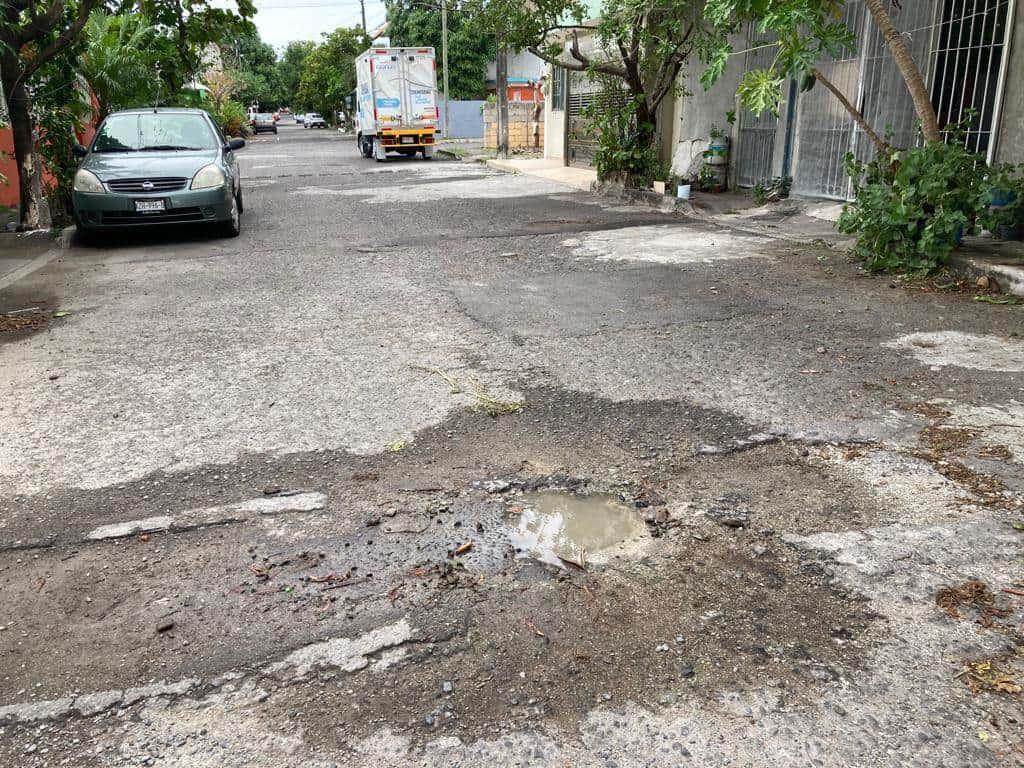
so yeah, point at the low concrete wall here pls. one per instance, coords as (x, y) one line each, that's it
(525, 126)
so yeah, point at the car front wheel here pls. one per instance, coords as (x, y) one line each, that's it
(233, 226)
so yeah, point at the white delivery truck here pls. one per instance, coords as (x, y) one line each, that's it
(396, 102)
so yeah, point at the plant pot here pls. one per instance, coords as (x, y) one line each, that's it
(717, 152)
(1010, 232)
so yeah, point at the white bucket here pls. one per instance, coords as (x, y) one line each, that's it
(683, 192)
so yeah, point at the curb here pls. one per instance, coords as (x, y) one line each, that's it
(1008, 274)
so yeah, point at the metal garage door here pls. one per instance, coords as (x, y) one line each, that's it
(755, 149)
(583, 90)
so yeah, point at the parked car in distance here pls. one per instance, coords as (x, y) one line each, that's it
(313, 120)
(264, 121)
(300, 118)
(154, 166)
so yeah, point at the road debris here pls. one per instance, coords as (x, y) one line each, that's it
(976, 595)
(993, 674)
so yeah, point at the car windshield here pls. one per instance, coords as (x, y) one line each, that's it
(154, 131)
(264, 116)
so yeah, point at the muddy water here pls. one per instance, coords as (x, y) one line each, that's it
(554, 527)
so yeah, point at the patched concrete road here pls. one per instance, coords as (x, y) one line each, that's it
(267, 501)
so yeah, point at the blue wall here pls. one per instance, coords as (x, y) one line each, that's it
(467, 118)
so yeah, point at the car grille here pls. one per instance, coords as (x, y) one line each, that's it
(135, 186)
(172, 216)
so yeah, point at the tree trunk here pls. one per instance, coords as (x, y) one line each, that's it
(909, 69)
(881, 146)
(35, 212)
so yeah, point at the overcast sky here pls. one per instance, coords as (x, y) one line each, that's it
(281, 21)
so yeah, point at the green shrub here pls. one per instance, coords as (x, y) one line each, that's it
(625, 150)
(911, 208)
(232, 118)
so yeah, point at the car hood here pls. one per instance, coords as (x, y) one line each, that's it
(135, 165)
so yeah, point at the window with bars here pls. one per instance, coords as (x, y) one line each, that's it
(557, 89)
(968, 49)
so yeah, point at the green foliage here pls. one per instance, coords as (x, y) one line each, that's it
(411, 23)
(803, 32)
(289, 67)
(60, 109)
(525, 25)
(911, 208)
(640, 47)
(770, 192)
(118, 62)
(255, 66)
(190, 27)
(625, 152)
(329, 72)
(232, 118)
(1005, 201)
(760, 91)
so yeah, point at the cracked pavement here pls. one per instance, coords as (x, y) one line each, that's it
(260, 496)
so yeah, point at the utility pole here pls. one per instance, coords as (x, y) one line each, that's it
(501, 78)
(362, 8)
(444, 60)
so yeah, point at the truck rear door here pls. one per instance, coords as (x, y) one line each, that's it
(420, 87)
(388, 89)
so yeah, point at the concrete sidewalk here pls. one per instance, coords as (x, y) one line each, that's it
(552, 170)
(23, 253)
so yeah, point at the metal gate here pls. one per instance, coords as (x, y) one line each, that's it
(960, 46)
(885, 100)
(755, 150)
(582, 139)
(824, 129)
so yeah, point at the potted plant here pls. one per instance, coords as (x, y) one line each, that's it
(717, 152)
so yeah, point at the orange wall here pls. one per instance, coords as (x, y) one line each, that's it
(9, 189)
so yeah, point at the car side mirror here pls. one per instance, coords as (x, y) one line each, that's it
(79, 151)
(234, 144)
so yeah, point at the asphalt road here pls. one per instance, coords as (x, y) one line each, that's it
(264, 499)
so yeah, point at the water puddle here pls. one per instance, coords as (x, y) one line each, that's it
(557, 527)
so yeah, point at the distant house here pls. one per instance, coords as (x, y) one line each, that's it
(525, 73)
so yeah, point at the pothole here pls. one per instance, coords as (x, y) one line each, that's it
(558, 527)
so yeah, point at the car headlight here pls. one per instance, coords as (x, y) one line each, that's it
(208, 177)
(86, 181)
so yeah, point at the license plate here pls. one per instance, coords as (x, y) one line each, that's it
(408, 139)
(149, 206)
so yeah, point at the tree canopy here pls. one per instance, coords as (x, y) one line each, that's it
(255, 66)
(414, 24)
(329, 72)
(804, 32)
(290, 66)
